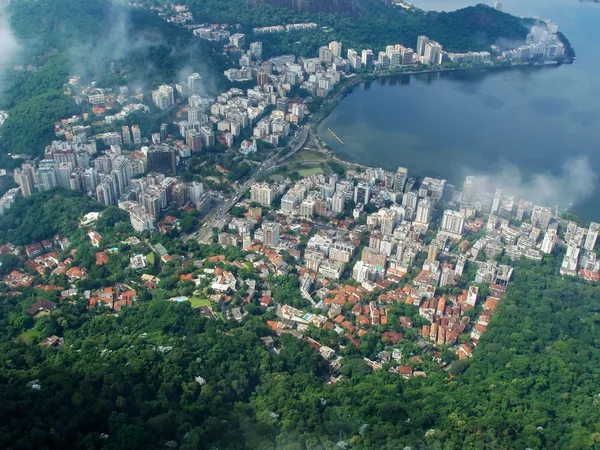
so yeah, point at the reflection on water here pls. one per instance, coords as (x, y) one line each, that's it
(449, 124)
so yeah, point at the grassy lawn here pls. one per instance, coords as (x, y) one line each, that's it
(150, 257)
(197, 301)
(308, 155)
(311, 171)
(28, 337)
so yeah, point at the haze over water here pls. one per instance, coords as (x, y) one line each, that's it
(533, 120)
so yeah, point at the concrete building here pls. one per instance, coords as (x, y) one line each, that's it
(541, 217)
(570, 261)
(373, 257)
(140, 220)
(337, 202)
(307, 208)
(424, 211)
(256, 49)
(590, 239)
(548, 242)
(433, 53)
(400, 178)
(271, 233)
(341, 252)
(262, 193)
(126, 136)
(196, 190)
(24, 179)
(194, 83)
(368, 59)
(162, 159)
(432, 187)
(362, 193)
(388, 221)
(453, 223)
(137, 134)
(194, 140)
(163, 97)
(336, 49)
(63, 174)
(421, 42)
(46, 176)
(496, 202)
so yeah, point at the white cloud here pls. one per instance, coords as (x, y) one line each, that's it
(9, 46)
(575, 183)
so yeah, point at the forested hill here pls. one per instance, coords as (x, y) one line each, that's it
(98, 40)
(365, 24)
(158, 375)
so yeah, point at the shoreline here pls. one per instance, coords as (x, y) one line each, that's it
(351, 81)
(346, 87)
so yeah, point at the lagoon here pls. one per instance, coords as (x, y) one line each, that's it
(530, 121)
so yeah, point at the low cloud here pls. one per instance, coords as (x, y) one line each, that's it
(575, 182)
(9, 45)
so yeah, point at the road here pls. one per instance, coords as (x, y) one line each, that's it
(297, 142)
(224, 204)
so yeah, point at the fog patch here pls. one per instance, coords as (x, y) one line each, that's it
(575, 183)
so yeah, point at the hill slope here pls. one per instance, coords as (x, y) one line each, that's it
(132, 46)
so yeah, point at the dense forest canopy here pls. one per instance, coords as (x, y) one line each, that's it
(369, 24)
(43, 215)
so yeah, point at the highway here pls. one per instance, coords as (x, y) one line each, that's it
(224, 204)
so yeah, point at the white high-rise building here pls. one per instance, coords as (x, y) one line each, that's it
(307, 208)
(271, 233)
(388, 221)
(433, 53)
(337, 202)
(46, 176)
(424, 210)
(362, 193)
(368, 59)
(262, 193)
(410, 200)
(549, 241)
(63, 174)
(24, 179)
(453, 223)
(421, 42)
(163, 97)
(336, 48)
(496, 202)
(592, 236)
(194, 83)
(196, 191)
(400, 179)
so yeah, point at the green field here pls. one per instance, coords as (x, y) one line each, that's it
(197, 301)
(310, 172)
(308, 155)
(150, 258)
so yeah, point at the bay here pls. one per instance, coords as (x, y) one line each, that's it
(521, 127)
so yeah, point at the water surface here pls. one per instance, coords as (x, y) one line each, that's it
(450, 124)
